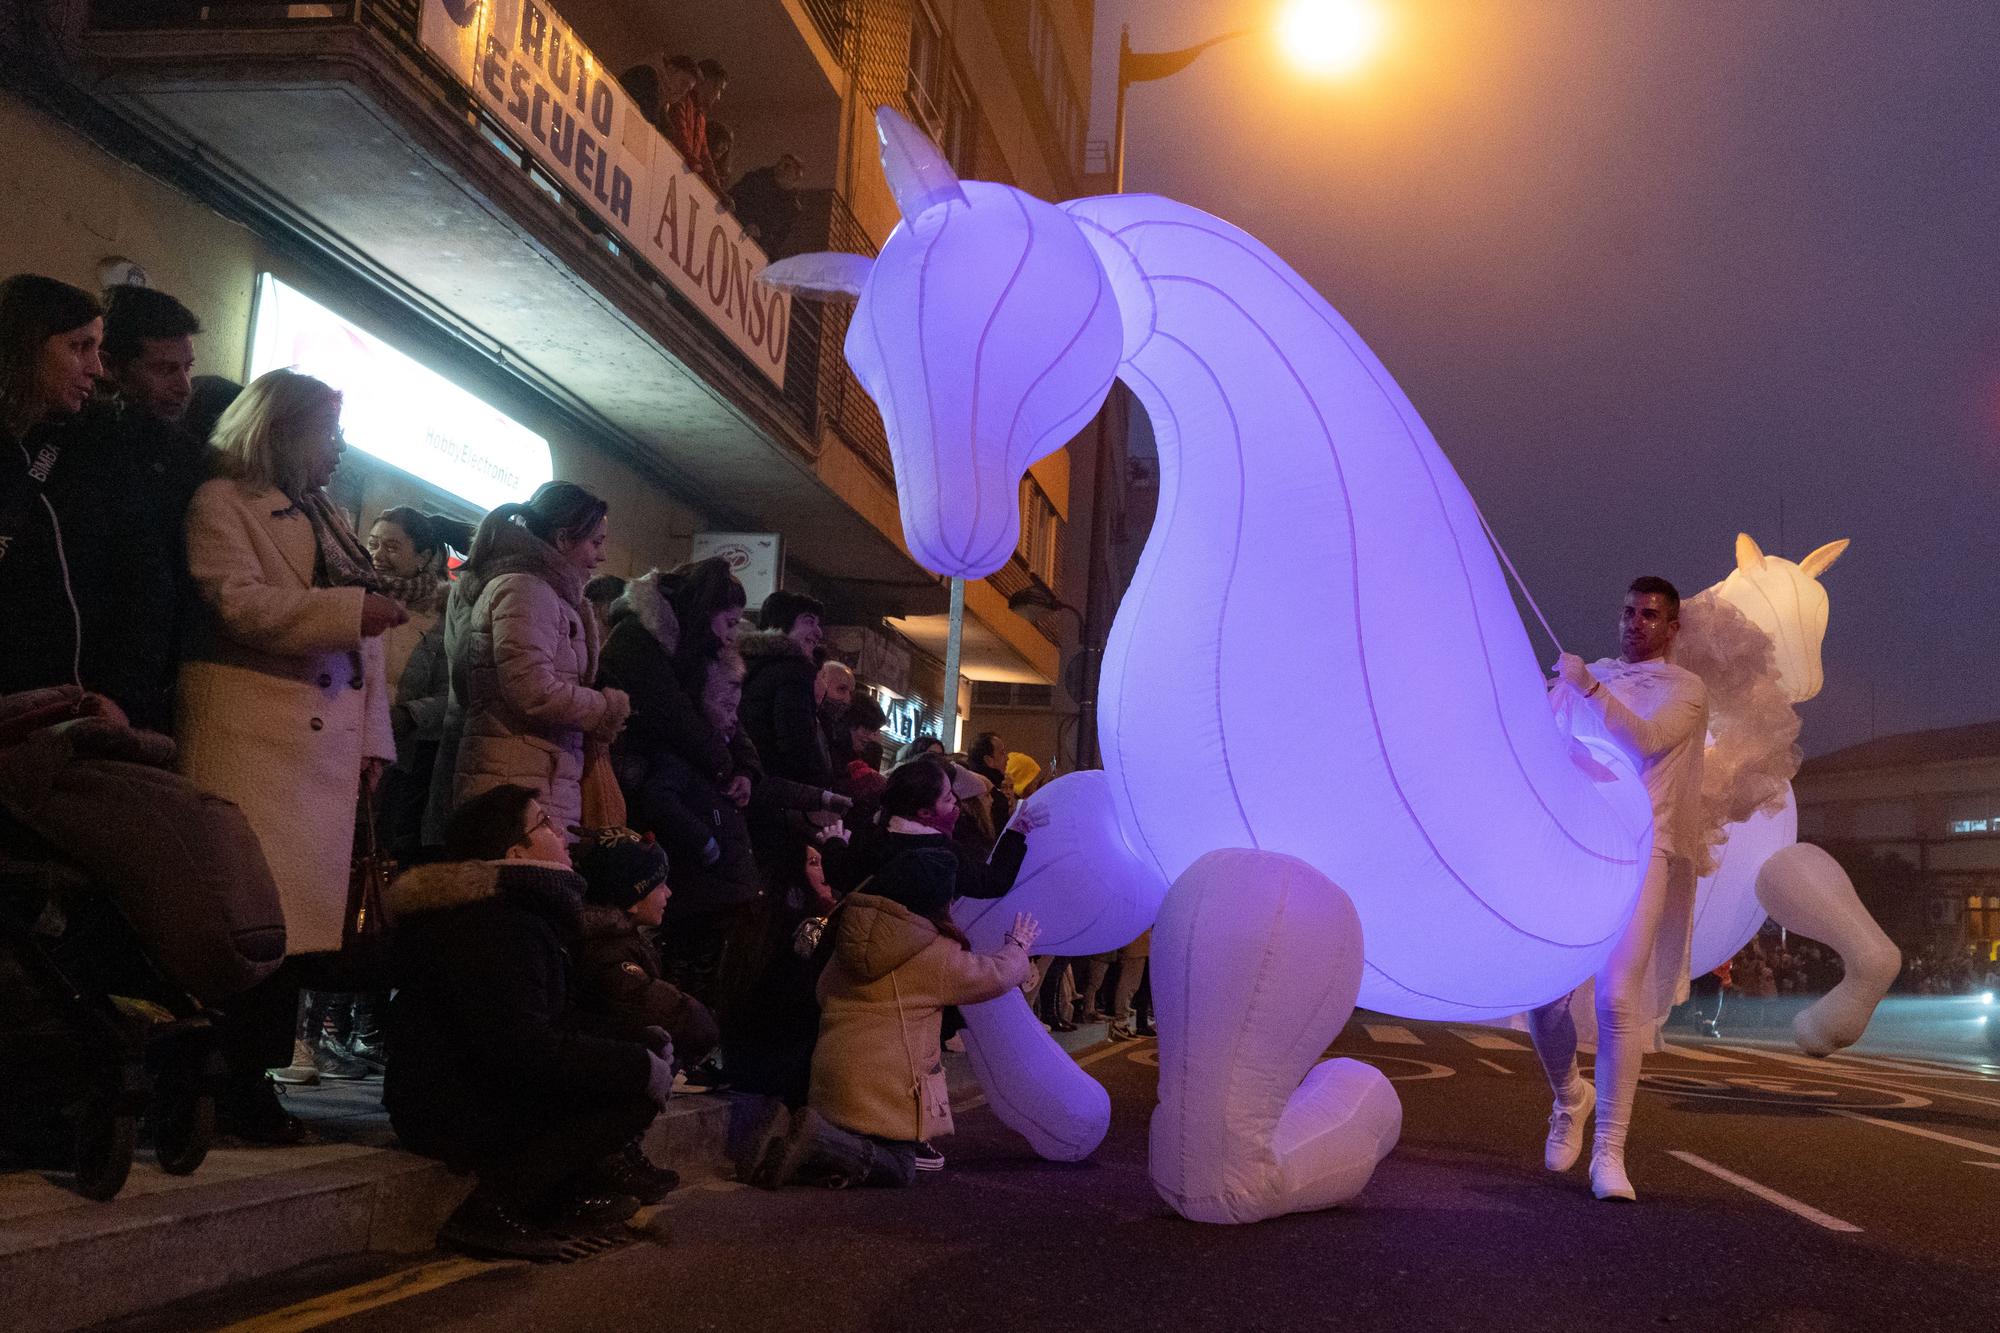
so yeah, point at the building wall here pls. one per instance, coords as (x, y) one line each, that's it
(1943, 818)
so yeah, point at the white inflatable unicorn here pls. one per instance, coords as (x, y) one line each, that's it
(1318, 664)
(1755, 638)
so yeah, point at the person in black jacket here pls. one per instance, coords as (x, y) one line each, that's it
(780, 705)
(118, 480)
(489, 1068)
(918, 809)
(618, 966)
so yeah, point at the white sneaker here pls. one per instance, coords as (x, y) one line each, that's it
(303, 1069)
(1565, 1143)
(1608, 1179)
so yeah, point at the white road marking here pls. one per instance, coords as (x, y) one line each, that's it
(1391, 1035)
(1917, 1130)
(1861, 1078)
(1994, 1165)
(1495, 1066)
(1487, 1040)
(1696, 1053)
(1766, 1193)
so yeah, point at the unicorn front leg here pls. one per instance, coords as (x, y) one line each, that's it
(1256, 964)
(1091, 893)
(1805, 890)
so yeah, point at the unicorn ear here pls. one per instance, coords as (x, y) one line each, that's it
(1819, 561)
(918, 175)
(1749, 555)
(825, 274)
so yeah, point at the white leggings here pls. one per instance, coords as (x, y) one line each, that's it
(1619, 1022)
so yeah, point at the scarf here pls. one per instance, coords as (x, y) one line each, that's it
(421, 592)
(340, 561)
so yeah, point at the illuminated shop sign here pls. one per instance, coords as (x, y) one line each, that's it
(397, 410)
(908, 718)
(528, 70)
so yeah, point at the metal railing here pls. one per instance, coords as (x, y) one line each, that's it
(818, 383)
(835, 21)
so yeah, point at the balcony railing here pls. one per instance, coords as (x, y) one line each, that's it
(818, 382)
(835, 21)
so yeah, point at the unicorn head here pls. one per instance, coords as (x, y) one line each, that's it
(986, 333)
(1787, 602)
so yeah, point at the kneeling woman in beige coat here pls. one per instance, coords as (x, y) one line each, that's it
(878, 1087)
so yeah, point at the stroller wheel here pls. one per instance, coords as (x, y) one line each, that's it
(183, 1128)
(105, 1141)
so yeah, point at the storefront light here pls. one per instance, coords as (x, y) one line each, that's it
(403, 413)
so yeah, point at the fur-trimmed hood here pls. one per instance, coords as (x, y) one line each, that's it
(760, 645)
(515, 550)
(540, 886)
(644, 600)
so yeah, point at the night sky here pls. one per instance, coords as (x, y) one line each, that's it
(1654, 273)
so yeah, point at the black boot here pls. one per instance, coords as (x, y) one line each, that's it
(248, 1107)
(487, 1224)
(586, 1208)
(630, 1171)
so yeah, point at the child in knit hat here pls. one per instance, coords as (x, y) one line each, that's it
(618, 965)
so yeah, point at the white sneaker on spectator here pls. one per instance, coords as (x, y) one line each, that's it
(302, 1070)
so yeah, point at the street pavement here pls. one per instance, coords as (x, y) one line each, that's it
(1776, 1192)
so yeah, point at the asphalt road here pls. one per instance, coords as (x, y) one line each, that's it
(1776, 1192)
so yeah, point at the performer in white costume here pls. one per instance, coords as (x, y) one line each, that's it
(1659, 712)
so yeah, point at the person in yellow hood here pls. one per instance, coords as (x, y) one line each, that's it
(878, 1097)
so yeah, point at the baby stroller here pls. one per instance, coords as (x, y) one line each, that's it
(128, 903)
(92, 1035)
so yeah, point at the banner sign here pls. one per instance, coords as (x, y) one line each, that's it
(527, 68)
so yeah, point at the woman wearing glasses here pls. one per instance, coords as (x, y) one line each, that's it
(284, 702)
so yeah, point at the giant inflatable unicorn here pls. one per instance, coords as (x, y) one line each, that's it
(1756, 638)
(1322, 721)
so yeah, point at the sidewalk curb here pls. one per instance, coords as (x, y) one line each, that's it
(84, 1265)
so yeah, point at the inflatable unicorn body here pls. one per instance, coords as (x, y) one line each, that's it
(1757, 673)
(1318, 663)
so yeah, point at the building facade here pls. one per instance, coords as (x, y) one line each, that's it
(456, 211)
(1931, 801)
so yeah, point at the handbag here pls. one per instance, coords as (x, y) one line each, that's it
(365, 923)
(603, 799)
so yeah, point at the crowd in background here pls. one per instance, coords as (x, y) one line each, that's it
(678, 95)
(646, 843)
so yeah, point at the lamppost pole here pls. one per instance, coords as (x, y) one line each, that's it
(1144, 67)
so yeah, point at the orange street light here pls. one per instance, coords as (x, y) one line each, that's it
(1332, 37)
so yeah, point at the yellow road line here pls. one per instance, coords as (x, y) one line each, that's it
(350, 1301)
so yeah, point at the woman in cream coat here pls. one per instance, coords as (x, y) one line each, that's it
(284, 701)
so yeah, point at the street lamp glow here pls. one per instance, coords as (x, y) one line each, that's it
(1332, 36)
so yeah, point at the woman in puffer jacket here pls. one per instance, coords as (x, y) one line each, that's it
(878, 1086)
(523, 654)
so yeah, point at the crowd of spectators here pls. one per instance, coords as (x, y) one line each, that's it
(678, 96)
(647, 842)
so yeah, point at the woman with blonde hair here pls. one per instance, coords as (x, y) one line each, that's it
(284, 700)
